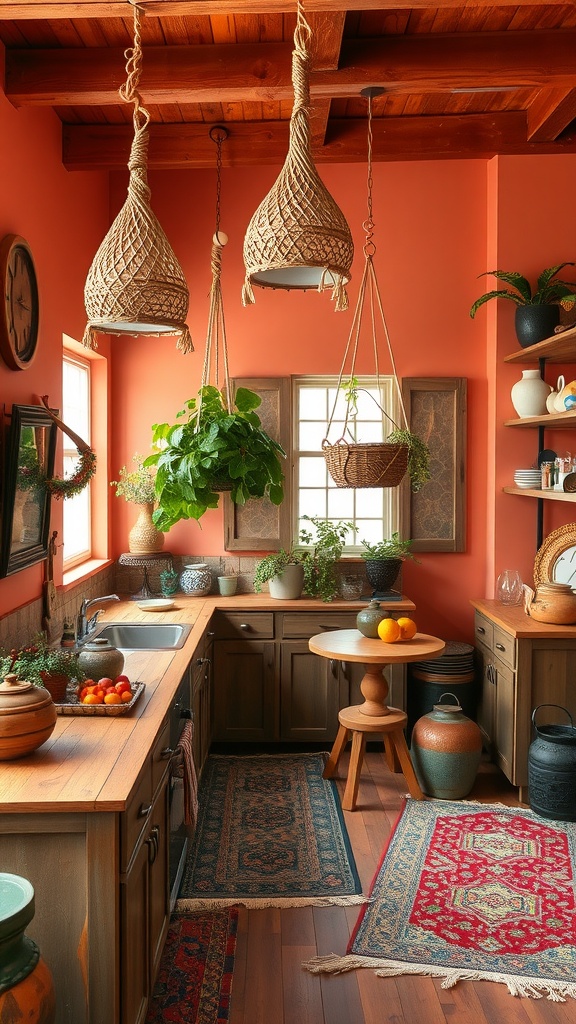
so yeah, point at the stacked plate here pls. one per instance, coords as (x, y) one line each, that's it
(528, 478)
(458, 659)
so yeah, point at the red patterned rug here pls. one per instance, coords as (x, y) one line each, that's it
(469, 891)
(195, 977)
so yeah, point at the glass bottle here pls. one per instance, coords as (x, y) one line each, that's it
(509, 587)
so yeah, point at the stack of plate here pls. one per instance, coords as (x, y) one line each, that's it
(453, 672)
(528, 478)
(457, 660)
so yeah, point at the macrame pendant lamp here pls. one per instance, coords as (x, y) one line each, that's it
(298, 236)
(135, 285)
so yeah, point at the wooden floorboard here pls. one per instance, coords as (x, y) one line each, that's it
(271, 987)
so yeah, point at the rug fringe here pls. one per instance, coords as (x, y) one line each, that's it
(260, 903)
(556, 991)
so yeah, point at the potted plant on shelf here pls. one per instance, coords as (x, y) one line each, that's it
(384, 561)
(284, 573)
(538, 311)
(213, 449)
(138, 486)
(319, 561)
(43, 665)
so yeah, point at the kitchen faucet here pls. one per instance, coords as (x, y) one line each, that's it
(84, 625)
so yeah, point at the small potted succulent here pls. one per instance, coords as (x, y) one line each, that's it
(43, 665)
(538, 310)
(137, 486)
(384, 561)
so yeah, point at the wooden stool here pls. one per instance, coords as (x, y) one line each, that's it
(354, 721)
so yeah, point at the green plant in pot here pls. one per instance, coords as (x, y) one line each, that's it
(43, 665)
(538, 311)
(284, 573)
(213, 448)
(384, 561)
(326, 542)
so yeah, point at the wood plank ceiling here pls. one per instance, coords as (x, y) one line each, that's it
(461, 79)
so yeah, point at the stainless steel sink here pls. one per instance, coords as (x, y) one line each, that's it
(141, 636)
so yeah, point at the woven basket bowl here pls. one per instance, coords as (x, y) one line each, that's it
(382, 573)
(366, 465)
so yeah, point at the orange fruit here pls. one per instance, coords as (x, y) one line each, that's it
(126, 696)
(408, 628)
(91, 698)
(389, 631)
(113, 698)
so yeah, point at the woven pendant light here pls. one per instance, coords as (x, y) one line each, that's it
(135, 285)
(298, 236)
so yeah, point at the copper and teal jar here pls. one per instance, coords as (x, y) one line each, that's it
(26, 988)
(446, 749)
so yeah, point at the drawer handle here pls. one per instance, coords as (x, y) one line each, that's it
(328, 628)
(334, 667)
(245, 625)
(166, 753)
(500, 647)
(144, 810)
(481, 629)
(186, 713)
(210, 634)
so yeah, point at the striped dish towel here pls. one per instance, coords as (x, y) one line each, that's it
(187, 772)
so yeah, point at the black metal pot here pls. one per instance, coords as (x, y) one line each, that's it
(382, 573)
(535, 323)
(552, 768)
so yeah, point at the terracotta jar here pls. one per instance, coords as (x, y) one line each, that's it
(554, 603)
(27, 717)
(446, 748)
(26, 987)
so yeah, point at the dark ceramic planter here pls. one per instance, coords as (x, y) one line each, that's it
(382, 573)
(535, 323)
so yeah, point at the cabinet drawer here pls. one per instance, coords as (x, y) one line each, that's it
(160, 757)
(253, 625)
(504, 647)
(307, 624)
(483, 629)
(136, 815)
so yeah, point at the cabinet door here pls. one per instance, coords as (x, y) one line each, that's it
(158, 885)
(245, 691)
(485, 711)
(504, 718)
(309, 694)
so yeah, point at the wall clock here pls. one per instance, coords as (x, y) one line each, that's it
(19, 314)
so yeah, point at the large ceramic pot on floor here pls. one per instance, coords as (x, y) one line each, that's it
(26, 987)
(446, 748)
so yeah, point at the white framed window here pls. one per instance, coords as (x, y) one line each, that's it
(316, 402)
(76, 414)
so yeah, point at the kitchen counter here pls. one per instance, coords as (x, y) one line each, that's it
(514, 620)
(91, 763)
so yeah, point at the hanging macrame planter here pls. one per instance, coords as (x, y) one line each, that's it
(135, 285)
(374, 464)
(298, 237)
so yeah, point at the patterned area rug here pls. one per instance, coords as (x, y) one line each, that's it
(195, 977)
(472, 891)
(270, 832)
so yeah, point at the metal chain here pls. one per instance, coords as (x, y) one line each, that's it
(368, 225)
(218, 133)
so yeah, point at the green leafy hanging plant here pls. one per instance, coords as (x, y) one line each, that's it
(213, 449)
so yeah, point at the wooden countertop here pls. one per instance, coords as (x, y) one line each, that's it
(514, 620)
(92, 763)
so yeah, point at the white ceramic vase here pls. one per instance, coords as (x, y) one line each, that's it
(529, 394)
(287, 585)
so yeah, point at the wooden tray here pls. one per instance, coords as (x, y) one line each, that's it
(72, 706)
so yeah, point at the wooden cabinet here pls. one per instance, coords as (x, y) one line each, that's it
(202, 711)
(269, 687)
(522, 664)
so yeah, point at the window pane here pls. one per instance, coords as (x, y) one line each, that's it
(76, 415)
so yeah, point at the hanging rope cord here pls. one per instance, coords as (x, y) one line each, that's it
(368, 283)
(216, 346)
(138, 189)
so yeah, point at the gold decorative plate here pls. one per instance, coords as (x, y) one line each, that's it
(555, 560)
(72, 706)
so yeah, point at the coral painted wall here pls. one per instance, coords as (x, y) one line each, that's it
(63, 218)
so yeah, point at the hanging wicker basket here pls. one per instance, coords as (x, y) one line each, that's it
(365, 465)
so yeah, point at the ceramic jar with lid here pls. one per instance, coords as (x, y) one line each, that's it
(446, 748)
(99, 658)
(26, 986)
(196, 579)
(27, 717)
(368, 619)
(554, 603)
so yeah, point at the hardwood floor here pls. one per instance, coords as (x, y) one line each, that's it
(270, 986)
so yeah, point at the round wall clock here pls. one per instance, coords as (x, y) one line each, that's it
(19, 314)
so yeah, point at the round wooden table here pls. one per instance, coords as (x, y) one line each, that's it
(374, 715)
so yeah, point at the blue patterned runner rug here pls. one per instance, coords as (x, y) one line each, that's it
(270, 833)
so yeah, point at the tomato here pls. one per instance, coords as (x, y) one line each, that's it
(123, 687)
(126, 696)
(105, 681)
(112, 698)
(111, 689)
(122, 679)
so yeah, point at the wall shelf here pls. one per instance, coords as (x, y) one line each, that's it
(557, 420)
(529, 492)
(560, 348)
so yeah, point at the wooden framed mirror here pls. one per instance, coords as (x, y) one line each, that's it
(29, 461)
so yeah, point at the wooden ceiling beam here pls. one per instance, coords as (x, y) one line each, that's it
(550, 113)
(262, 72)
(13, 10)
(106, 147)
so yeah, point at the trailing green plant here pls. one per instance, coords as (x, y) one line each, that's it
(274, 564)
(136, 485)
(394, 547)
(547, 291)
(418, 450)
(30, 661)
(213, 448)
(319, 562)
